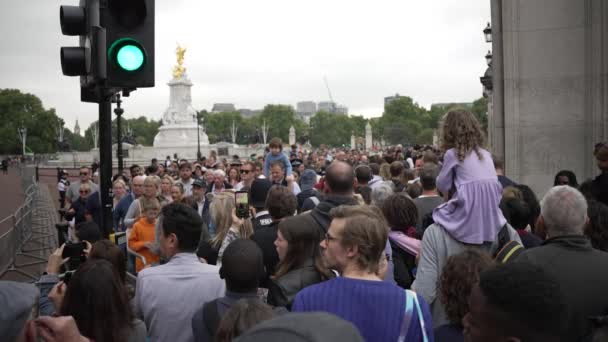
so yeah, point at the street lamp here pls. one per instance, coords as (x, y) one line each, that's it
(489, 58)
(198, 138)
(119, 111)
(486, 79)
(487, 32)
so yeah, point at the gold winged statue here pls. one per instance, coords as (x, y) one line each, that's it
(179, 70)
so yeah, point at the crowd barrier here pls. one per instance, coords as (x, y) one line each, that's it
(26, 237)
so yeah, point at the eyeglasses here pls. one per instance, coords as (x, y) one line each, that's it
(246, 171)
(84, 191)
(84, 173)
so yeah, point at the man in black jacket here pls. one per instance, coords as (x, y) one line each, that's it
(568, 256)
(281, 203)
(339, 190)
(241, 270)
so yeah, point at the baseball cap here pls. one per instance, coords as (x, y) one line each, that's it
(200, 183)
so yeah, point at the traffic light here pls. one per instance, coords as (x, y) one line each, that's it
(88, 59)
(129, 26)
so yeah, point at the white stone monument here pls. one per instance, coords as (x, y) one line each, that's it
(292, 136)
(353, 142)
(179, 129)
(368, 137)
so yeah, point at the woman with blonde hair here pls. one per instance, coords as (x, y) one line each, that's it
(165, 189)
(228, 226)
(119, 189)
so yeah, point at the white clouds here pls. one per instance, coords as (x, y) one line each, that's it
(257, 52)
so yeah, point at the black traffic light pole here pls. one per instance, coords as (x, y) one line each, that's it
(105, 161)
(119, 111)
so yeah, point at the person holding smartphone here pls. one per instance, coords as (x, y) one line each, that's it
(229, 226)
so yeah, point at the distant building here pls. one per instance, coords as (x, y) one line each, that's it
(340, 109)
(327, 106)
(305, 110)
(77, 128)
(223, 107)
(390, 99)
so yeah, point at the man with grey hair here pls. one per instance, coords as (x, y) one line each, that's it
(567, 254)
(381, 192)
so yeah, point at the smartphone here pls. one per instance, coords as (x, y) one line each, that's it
(241, 200)
(73, 250)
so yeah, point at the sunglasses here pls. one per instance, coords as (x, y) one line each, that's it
(84, 173)
(245, 171)
(84, 191)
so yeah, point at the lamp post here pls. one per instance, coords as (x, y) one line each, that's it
(487, 33)
(198, 138)
(119, 111)
(489, 58)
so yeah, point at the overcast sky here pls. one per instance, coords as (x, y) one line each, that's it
(252, 53)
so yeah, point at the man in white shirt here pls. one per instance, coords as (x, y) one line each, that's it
(168, 295)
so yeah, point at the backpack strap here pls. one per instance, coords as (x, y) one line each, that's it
(211, 317)
(411, 303)
(509, 251)
(314, 200)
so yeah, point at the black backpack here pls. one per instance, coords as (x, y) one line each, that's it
(507, 249)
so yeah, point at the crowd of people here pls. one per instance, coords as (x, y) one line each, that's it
(417, 243)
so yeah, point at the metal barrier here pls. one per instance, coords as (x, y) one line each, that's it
(27, 237)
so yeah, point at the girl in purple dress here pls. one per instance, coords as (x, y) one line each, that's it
(472, 214)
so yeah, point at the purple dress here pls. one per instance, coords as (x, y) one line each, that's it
(472, 215)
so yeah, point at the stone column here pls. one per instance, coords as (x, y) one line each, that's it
(368, 137)
(292, 136)
(353, 142)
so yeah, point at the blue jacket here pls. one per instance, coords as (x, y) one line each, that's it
(120, 211)
(270, 158)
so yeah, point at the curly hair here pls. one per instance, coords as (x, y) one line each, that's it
(400, 212)
(462, 131)
(459, 275)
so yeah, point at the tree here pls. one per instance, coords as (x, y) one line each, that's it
(280, 118)
(143, 130)
(480, 110)
(25, 110)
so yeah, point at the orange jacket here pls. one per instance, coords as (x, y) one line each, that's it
(143, 232)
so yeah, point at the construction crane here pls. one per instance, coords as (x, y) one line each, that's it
(328, 90)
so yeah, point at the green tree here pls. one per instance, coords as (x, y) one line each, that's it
(279, 119)
(25, 110)
(480, 110)
(330, 129)
(143, 129)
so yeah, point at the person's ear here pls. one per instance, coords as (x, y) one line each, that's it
(352, 251)
(540, 229)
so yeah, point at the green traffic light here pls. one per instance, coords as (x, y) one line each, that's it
(130, 57)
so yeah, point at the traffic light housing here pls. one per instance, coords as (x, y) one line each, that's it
(116, 46)
(129, 26)
(88, 59)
